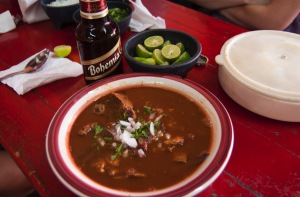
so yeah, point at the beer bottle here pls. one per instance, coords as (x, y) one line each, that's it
(98, 41)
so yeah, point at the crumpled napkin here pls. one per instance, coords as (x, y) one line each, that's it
(6, 22)
(55, 68)
(142, 19)
(32, 11)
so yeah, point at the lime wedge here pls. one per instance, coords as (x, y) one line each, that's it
(141, 51)
(62, 50)
(181, 46)
(156, 54)
(167, 42)
(182, 58)
(139, 59)
(154, 42)
(165, 63)
(170, 52)
(150, 61)
(143, 60)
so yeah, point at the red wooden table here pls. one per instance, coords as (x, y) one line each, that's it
(266, 156)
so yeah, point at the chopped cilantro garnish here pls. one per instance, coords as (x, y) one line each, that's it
(148, 109)
(157, 124)
(98, 129)
(143, 131)
(118, 152)
(125, 116)
(139, 119)
(98, 148)
(114, 156)
(108, 139)
(96, 145)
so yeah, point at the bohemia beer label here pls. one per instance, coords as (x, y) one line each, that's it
(103, 65)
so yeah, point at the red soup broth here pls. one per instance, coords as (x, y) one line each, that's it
(170, 137)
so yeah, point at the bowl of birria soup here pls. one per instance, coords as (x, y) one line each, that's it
(140, 134)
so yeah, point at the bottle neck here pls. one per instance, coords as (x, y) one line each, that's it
(93, 9)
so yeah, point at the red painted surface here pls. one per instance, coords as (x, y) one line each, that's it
(266, 156)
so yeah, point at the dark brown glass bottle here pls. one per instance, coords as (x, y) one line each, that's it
(98, 41)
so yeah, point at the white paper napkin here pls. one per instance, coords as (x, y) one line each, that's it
(142, 19)
(55, 68)
(6, 22)
(32, 11)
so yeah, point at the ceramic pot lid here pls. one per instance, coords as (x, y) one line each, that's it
(266, 61)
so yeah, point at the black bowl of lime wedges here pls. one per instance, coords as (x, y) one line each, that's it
(162, 51)
(120, 12)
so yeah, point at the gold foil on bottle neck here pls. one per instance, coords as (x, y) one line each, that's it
(94, 15)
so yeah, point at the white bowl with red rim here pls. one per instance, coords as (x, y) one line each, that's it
(70, 175)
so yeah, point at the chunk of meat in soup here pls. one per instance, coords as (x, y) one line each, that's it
(126, 104)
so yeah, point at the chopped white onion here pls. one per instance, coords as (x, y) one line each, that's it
(118, 129)
(131, 142)
(168, 136)
(125, 153)
(158, 118)
(127, 139)
(130, 129)
(141, 153)
(159, 133)
(151, 116)
(152, 128)
(159, 145)
(118, 132)
(124, 123)
(137, 125)
(125, 134)
(102, 142)
(131, 121)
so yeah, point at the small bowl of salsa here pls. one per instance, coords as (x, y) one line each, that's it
(140, 135)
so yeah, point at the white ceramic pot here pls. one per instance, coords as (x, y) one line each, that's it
(260, 70)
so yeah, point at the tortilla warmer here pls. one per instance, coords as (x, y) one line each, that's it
(260, 70)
